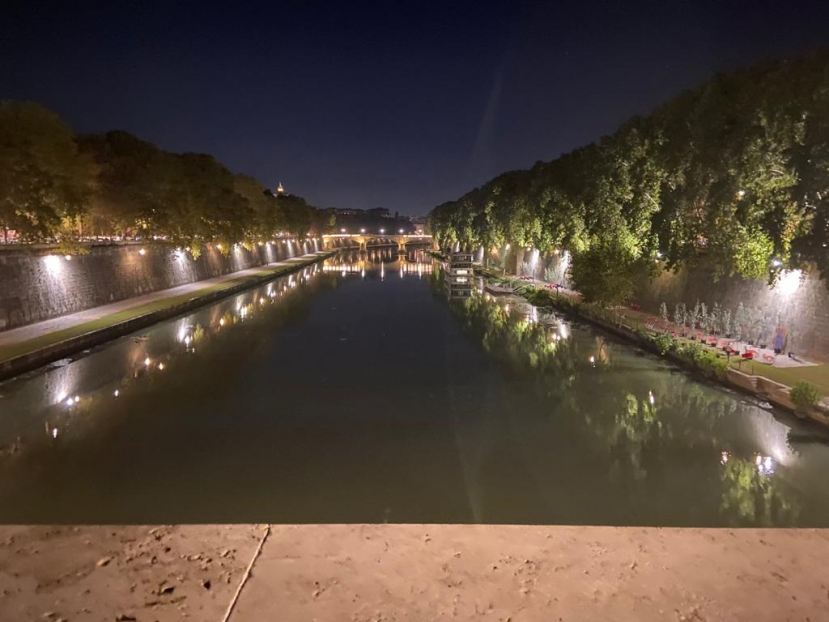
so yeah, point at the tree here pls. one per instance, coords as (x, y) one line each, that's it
(267, 216)
(134, 184)
(43, 179)
(732, 175)
(604, 273)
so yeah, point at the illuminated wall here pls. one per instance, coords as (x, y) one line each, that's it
(35, 287)
(799, 302)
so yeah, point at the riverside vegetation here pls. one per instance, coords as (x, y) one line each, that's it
(56, 186)
(732, 175)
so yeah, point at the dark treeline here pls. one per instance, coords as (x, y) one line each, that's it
(732, 175)
(56, 186)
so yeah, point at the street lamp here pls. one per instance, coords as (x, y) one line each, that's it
(362, 230)
(342, 230)
(401, 231)
(382, 230)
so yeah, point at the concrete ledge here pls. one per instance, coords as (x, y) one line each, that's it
(412, 572)
(42, 356)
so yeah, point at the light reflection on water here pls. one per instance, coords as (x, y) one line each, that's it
(338, 394)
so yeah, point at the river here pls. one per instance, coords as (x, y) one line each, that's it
(356, 391)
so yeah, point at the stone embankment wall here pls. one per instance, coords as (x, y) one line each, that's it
(798, 302)
(36, 285)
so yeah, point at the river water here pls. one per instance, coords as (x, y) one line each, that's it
(357, 391)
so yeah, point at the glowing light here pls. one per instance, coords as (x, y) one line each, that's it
(362, 230)
(68, 257)
(147, 361)
(70, 401)
(651, 399)
(53, 264)
(741, 194)
(219, 246)
(382, 230)
(777, 263)
(142, 251)
(222, 322)
(789, 282)
(54, 432)
(116, 393)
(724, 457)
(765, 464)
(161, 366)
(183, 334)
(592, 360)
(342, 230)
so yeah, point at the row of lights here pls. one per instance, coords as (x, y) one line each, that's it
(70, 401)
(363, 231)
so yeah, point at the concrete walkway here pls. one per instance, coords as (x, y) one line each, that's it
(362, 573)
(32, 331)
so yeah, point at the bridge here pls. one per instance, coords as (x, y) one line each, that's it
(365, 240)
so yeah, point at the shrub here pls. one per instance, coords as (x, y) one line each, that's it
(804, 395)
(661, 342)
(711, 365)
(692, 351)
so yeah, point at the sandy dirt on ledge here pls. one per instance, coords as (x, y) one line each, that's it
(374, 573)
(80, 574)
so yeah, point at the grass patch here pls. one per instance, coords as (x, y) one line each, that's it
(13, 350)
(817, 375)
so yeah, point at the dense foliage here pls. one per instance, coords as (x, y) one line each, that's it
(805, 396)
(733, 174)
(58, 186)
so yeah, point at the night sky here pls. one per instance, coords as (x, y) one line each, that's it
(393, 104)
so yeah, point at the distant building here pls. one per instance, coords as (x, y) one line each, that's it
(342, 211)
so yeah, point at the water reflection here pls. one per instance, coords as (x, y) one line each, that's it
(694, 453)
(356, 391)
(57, 399)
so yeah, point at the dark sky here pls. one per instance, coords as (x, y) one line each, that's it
(395, 104)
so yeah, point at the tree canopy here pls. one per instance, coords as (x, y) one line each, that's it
(733, 174)
(56, 186)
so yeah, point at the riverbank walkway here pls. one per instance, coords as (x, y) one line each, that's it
(362, 573)
(31, 338)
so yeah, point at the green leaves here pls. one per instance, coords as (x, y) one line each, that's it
(43, 179)
(732, 174)
(55, 186)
